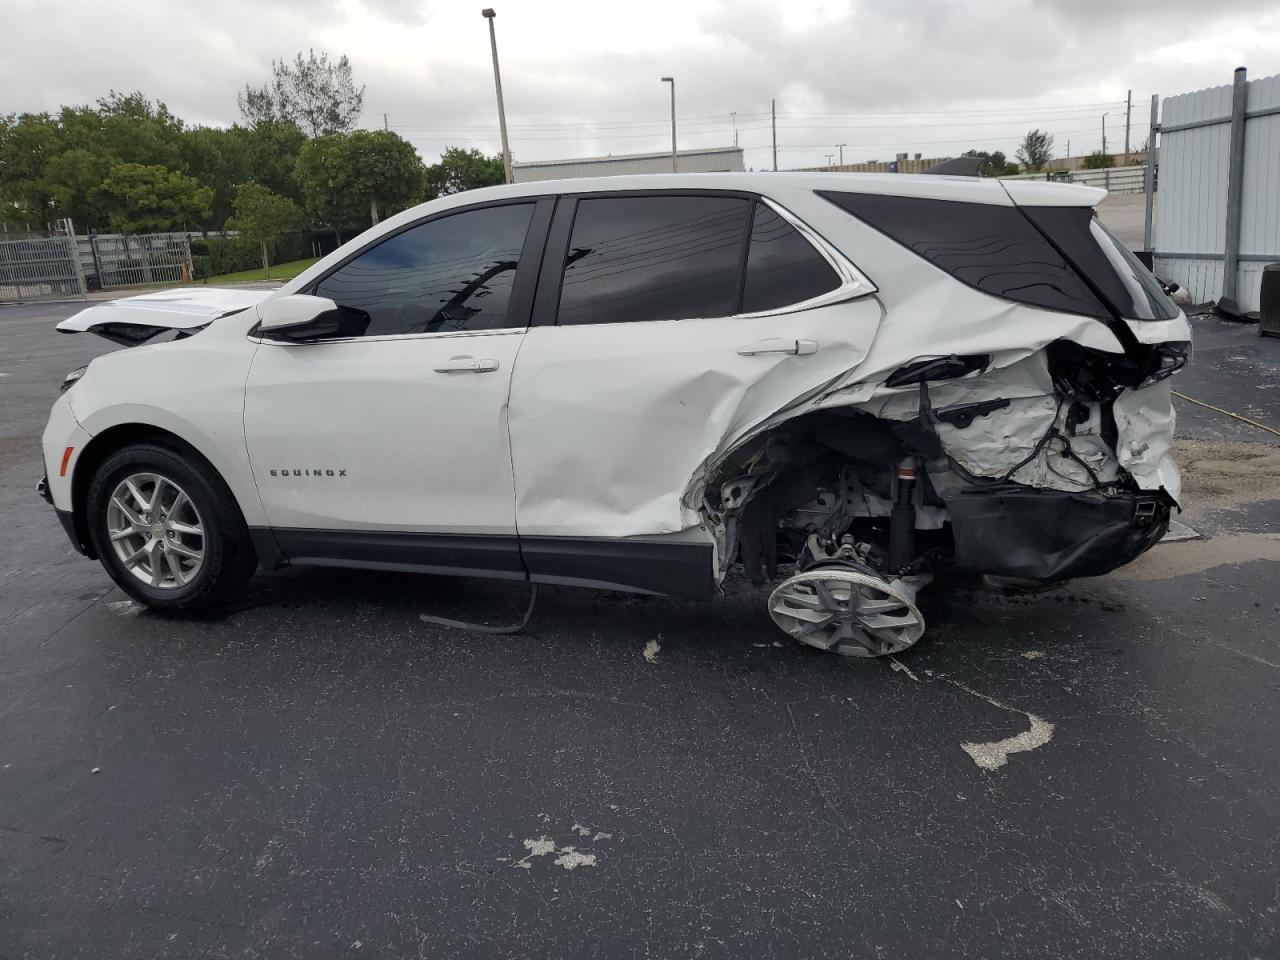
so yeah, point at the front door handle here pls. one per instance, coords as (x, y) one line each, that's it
(800, 348)
(467, 365)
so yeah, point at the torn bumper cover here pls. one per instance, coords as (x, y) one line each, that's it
(1050, 535)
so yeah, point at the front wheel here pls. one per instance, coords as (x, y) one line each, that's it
(167, 529)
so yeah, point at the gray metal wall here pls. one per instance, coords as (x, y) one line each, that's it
(1191, 202)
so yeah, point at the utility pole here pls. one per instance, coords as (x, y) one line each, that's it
(672, 81)
(773, 120)
(1104, 132)
(840, 147)
(733, 118)
(385, 125)
(830, 157)
(489, 14)
(1128, 112)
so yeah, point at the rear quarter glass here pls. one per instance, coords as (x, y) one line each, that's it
(1126, 285)
(991, 248)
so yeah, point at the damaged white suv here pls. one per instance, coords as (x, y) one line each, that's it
(638, 383)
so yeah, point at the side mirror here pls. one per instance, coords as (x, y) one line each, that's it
(298, 317)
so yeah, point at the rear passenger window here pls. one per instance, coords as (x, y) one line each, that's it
(782, 266)
(993, 248)
(653, 258)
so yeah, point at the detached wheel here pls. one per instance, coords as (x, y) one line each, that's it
(167, 529)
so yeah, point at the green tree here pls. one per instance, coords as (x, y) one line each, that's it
(144, 198)
(319, 96)
(28, 142)
(1036, 150)
(271, 151)
(320, 172)
(262, 215)
(1099, 161)
(349, 179)
(381, 171)
(75, 182)
(994, 163)
(460, 170)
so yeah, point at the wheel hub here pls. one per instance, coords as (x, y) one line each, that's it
(848, 610)
(156, 531)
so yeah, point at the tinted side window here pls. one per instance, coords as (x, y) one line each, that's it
(993, 248)
(782, 266)
(1124, 281)
(454, 273)
(653, 258)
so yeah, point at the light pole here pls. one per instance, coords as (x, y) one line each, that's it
(733, 118)
(489, 14)
(830, 157)
(1104, 134)
(672, 81)
(840, 147)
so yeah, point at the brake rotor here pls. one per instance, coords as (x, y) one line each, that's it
(852, 612)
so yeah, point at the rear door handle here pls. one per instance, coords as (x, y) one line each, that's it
(794, 347)
(467, 365)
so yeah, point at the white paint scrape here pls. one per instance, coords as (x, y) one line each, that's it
(570, 859)
(651, 651)
(993, 756)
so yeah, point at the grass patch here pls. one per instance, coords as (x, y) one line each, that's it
(279, 271)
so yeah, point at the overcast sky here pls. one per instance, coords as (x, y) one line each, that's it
(928, 76)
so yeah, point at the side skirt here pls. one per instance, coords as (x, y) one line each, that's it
(682, 570)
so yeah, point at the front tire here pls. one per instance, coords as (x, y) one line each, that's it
(167, 529)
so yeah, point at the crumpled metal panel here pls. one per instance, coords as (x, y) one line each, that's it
(1145, 422)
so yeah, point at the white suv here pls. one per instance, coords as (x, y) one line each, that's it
(636, 383)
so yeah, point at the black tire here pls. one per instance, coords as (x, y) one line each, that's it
(229, 558)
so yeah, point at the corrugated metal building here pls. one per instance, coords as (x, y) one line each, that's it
(1191, 202)
(710, 160)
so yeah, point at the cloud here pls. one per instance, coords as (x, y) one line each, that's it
(933, 76)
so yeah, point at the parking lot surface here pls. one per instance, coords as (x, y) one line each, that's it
(1089, 772)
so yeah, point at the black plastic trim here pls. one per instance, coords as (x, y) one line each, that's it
(68, 521)
(460, 555)
(1051, 535)
(682, 570)
(546, 304)
(265, 545)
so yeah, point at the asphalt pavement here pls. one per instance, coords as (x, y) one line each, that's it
(1090, 772)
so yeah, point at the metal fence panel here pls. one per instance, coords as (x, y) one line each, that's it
(1260, 211)
(40, 270)
(128, 261)
(1114, 179)
(1191, 203)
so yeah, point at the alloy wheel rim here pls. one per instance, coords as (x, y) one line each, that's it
(156, 532)
(847, 612)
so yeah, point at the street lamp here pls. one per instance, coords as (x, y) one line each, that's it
(840, 147)
(672, 81)
(489, 14)
(1104, 132)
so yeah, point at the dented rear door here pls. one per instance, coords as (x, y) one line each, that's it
(665, 325)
